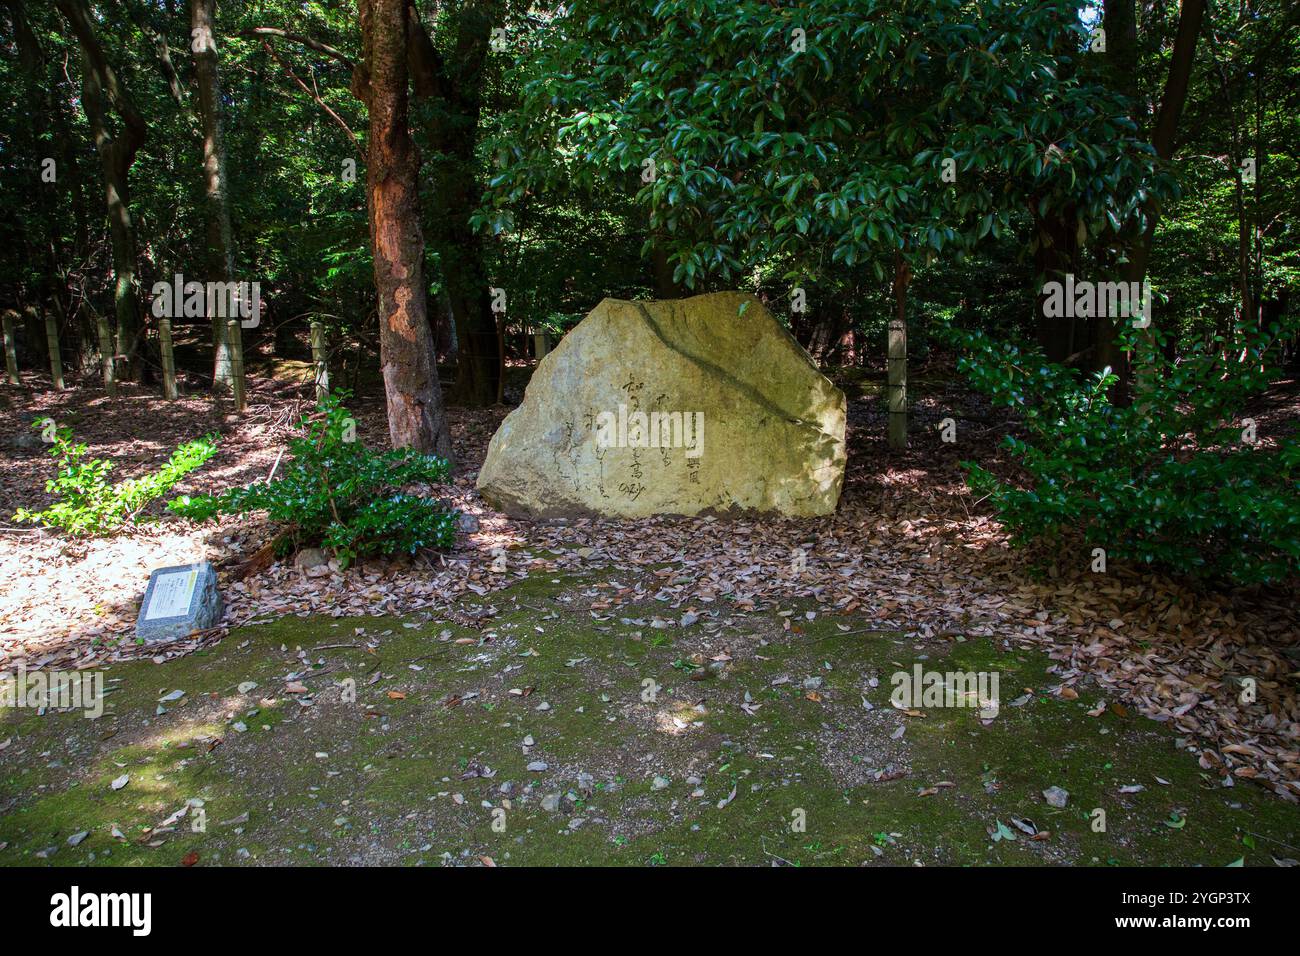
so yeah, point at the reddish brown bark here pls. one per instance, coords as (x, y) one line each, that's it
(416, 415)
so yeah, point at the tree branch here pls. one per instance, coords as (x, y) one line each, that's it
(298, 38)
(313, 94)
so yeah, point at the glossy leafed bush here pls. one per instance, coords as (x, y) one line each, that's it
(1176, 479)
(336, 493)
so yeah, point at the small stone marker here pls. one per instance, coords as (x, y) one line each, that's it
(179, 601)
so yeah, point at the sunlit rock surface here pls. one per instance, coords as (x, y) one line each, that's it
(684, 406)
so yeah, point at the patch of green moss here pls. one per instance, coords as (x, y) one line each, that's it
(412, 770)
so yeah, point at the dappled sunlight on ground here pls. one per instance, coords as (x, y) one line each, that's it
(680, 718)
(526, 737)
(908, 546)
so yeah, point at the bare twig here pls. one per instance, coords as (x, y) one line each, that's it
(315, 96)
(299, 38)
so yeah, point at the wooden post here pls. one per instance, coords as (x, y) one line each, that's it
(106, 356)
(236, 343)
(11, 349)
(897, 383)
(319, 360)
(168, 359)
(897, 364)
(56, 357)
(541, 344)
(221, 371)
(30, 331)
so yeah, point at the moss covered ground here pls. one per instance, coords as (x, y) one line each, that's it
(414, 740)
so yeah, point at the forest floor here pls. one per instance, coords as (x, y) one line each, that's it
(1121, 688)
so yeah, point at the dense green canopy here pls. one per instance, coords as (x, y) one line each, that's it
(804, 140)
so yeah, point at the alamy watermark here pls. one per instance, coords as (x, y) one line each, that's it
(176, 298)
(1090, 300)
(637, 429)
(921, 688)
(75, 908)
(54, 690)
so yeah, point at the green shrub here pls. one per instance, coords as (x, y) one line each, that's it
(335, 493)
(87, 504)
(1167, 481)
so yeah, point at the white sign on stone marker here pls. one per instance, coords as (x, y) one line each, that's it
(179, 601)
(171, 595)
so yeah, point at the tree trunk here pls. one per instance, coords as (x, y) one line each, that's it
(416, 416)
(1171, 110)
(1119, 19)
(221, 245)
(45, 112)
(661, 272)
(1163, 140)
(444, 329)
(1120, 23)
(1056, 255)
(454, 88)
(116, 152)
(1243, 252)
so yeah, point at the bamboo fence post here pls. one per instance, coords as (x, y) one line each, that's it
(320, 360)
(106, 357)
(168, 358)
(11, 349)
(56, 357)
(235, 340)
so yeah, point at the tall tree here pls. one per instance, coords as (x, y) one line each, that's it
(451, 88)
(416, 416)
(1164, 133)
(448, 79)
(1120, 18)
(45, 113)
(216, 192)
(1119, 21)
(102, 88)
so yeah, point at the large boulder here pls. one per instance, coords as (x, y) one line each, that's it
(676, 407)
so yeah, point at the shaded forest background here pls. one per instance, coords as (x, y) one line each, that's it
(294, 136)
